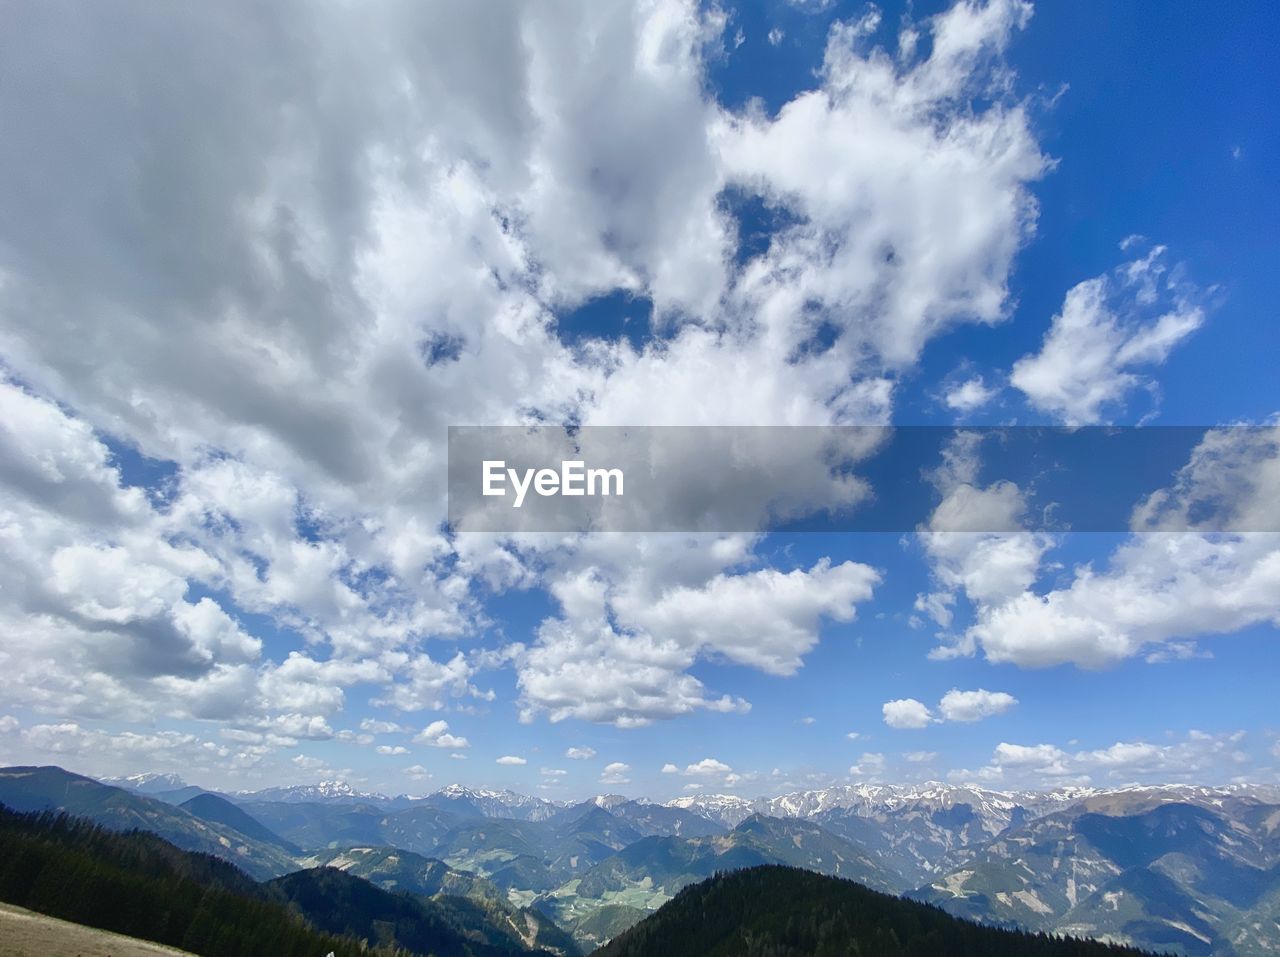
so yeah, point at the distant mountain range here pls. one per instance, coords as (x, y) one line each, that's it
(137, 884)
(1062, 861)
(1199, 876)
(44, 788)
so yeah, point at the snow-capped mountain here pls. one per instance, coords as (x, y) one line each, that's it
(326, 792)
(921, 831)
(996, 808)
(727, 809)
(1189, 868)
(501, 804)
(147, 783)
(610, 801)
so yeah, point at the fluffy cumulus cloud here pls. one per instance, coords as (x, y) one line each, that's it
(959, 705)
(969, 395)
(615, 772)
(871, 765)
(437, 735)
(1109, 328)
(970, 539)
(96, 751)
(377, 726)
(1158, 590)
(907, 713)
(618, 613)
(1212, 569)
(707, 767)
(511, 760)
(259, 271)
(956, 705)
(1196, 757)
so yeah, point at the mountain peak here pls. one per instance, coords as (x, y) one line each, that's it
(148, 782)
(323, 792)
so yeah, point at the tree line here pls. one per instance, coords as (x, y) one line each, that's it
(137, 884)
(774, 911)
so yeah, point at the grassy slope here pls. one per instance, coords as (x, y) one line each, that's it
(24, 933)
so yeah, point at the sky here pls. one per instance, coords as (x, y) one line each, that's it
(256, 259)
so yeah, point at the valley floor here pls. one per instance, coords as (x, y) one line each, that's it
(24, 933)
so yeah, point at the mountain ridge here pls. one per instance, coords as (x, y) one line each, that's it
(787, 911)
(1060, 860)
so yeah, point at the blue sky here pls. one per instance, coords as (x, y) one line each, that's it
(230, 351)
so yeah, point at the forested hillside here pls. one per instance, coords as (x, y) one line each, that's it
(142, 886)
(787, 912)
(137, 884)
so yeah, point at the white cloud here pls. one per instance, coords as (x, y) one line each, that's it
(970, 539)
(870, 765)
(580, 754)
(99, 752)
(619, 652)
(937, 605)
(1194, 758)
(907, 713)
(273, 342)
(294, 725)
(812, 6)
(615, 773)
(915, 184)
(1043, 758)
(437, 735)
(970, 395)
(967, 706)
(375, 726)
(8, 724)
(511, 759)
(853, 735)
(1176, 651)
(708, 766)
(1157, 588)
(767, 619)
(956, 705)
(417, 772)
(775, 36)
(553, 772)
(920, 757)
(1157, 596)
(1103, 333)
(424, 683)
(391, 749)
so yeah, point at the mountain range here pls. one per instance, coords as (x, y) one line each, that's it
(1199, 877)
(1188, 869)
